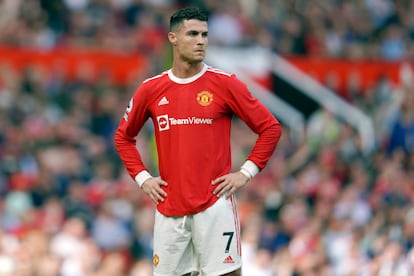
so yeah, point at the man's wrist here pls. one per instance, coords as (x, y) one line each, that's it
(141, 177)
(246, 173)
(249, 169)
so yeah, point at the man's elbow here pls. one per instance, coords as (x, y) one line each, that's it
(276, 130)
(120, 139)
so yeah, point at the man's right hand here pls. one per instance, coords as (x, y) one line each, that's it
(152, 187)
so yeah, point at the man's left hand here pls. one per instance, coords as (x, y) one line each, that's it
(228, 184)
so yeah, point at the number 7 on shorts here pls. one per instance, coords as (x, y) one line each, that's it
(230, 238)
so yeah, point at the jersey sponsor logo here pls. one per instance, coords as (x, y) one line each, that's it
(204, 98)
(228, 260)
(155, 260)
(165, 122)
(163, 101)
(191, 121)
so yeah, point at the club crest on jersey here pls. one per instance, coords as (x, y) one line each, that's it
(204, 98)
(155, 260)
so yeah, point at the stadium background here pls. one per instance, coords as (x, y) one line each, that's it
(323, 206)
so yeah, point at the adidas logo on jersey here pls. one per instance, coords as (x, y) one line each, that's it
(163, 101)
(228, 260)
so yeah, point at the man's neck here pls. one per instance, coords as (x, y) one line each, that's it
(185, 69)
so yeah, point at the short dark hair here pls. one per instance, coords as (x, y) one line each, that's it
(186, 14)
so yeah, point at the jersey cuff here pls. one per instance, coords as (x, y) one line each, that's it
(249, 169)
(141, 177)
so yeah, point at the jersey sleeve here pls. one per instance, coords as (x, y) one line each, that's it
(258, 118)
(135, 116)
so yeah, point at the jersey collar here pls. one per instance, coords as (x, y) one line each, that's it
(187, 80)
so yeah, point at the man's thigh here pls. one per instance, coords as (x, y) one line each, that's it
(173, 247)
(216, 238)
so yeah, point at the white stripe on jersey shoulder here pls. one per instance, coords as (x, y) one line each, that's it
(218, 71)
(156, 77)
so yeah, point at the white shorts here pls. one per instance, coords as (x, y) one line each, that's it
(206, 242)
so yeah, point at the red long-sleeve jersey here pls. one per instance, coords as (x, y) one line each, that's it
(192, 122)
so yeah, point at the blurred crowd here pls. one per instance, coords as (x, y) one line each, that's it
(323, 206)
(332, 28)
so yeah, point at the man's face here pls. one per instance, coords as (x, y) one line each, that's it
(190, 40)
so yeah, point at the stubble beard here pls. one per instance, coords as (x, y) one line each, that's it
(192, 60)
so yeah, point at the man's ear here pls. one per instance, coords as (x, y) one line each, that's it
(172, 37)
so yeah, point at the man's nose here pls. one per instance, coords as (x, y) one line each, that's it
(201, 39)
